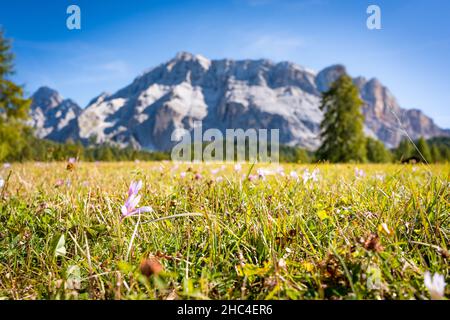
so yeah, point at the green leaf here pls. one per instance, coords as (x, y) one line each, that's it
(60, 249)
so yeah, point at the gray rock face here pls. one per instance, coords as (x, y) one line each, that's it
(222, 94)
(53, 117)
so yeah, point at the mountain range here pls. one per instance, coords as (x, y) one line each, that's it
(223, 94)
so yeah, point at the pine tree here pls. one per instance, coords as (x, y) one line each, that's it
(424, 149)
(342, 127)
(376, 151)
(404, 150)
(13, 107)
(436, 153)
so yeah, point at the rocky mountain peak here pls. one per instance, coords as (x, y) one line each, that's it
(53, 117)
(191, 58)
(46, 98)
(328, 75)
(224, 94)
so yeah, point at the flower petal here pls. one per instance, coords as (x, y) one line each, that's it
(134, 201)
(144, 209)
(124, 210)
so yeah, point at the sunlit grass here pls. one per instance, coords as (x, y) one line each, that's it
(348, 235)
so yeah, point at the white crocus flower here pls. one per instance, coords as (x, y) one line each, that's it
(435, 285)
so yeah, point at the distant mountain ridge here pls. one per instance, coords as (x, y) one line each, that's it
(53, 117)
(223, 94)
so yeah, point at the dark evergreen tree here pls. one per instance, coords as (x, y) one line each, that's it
(404, 150)
(13, 107)
(423, 150)
(342, 127)
(376, 151)
(436, 153)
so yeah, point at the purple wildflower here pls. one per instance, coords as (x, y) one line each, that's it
(294, 175)
(59, 183)
(262, 173)
(198, 176)
(359, 173)
(130, 206)
(135, 187)
(280, 171)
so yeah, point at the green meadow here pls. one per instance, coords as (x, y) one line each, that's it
(220, 231)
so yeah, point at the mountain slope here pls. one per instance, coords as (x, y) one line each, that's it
(53, 117)
(223, 94)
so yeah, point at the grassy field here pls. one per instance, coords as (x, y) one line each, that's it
(339, 233)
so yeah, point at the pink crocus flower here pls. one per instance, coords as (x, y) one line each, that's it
(294, 175)
(72, 160)
(252, 177)
(59, 183)
(280, 171)
(214, 171)
(306, 176)
(130, 207)
(182, 174)
(313, 176)
(237, 167)
(219, 179)
(135, 187)
(6, 165)
(262, 173)
(198, 176)
(359, 173)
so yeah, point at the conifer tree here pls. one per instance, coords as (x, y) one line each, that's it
(377, 152)
(404, 150)
(13, 106)
(424, 149)
(436, 153)
(342, 127)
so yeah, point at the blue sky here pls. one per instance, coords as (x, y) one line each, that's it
(120, 39)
